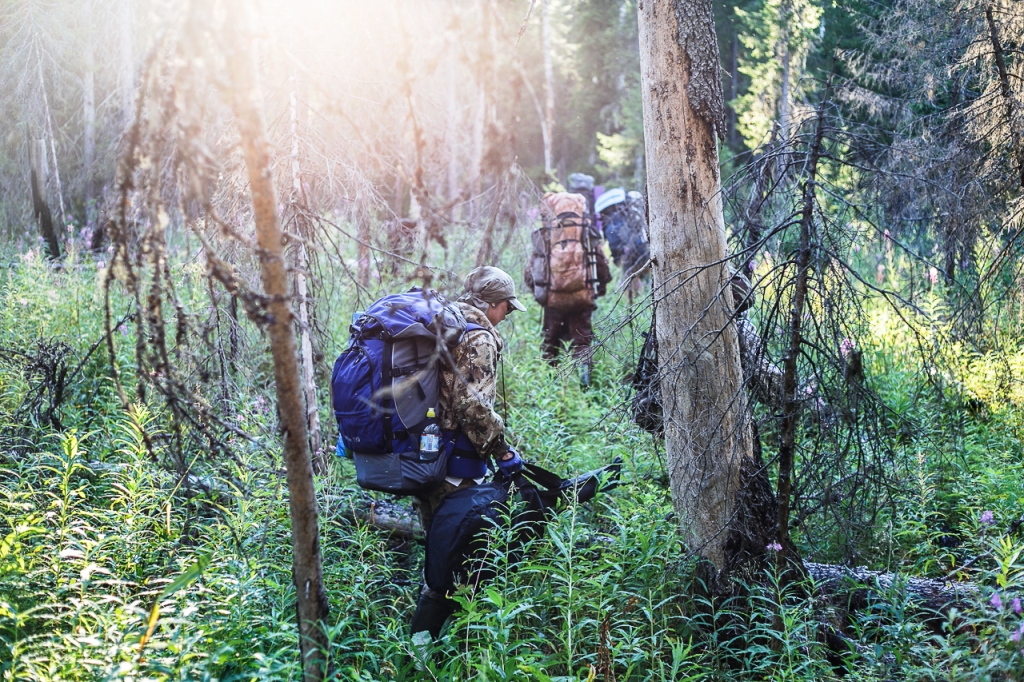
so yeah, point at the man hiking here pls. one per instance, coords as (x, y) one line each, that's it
(469, 424)
(566, 272)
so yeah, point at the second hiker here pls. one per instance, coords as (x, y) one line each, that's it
(567, 271)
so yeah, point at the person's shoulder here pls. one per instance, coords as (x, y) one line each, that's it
(478, 328)
(478, 335)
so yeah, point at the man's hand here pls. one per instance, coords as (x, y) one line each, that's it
(510, 463)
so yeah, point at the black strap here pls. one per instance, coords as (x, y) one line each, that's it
(548, 479)
(386, 372)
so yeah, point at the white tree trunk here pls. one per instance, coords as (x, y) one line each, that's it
(126, 66)
(548, 125)
(707, 435)
(785, 61)
(89, 114)
(302, 290)
(784, 94)
(48, 126)
(452, 134)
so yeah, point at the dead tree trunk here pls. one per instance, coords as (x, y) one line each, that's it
(548, 123)
(734, 77)
(311, 600)
(1005, 91)
(302, 289)
(453, 136)
(37, 180)
(791, 404)
(707, 434)
(126, 64)
(89, 116)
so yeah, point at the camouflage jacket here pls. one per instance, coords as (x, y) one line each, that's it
(469, 388)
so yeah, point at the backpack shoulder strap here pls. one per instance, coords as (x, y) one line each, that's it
(474, 327)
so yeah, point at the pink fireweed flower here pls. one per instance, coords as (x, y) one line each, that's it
(1015, 605)
(846, 346)
(996, 601)
(933, 276)
(775, 547)
(1016, 635)
(987, 518)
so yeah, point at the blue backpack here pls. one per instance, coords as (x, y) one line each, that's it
(386, 380)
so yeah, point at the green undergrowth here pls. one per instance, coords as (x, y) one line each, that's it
(111, 567)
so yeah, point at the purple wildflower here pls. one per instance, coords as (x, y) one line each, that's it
(996, 601)
(775, 547)
(846, 346)
(987, 518)
(1015, 635)
(1016, 607)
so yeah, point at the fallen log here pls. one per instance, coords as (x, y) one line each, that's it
(860, 587)
(394, 518)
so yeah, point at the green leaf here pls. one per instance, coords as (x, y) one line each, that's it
(190, 574)
(541, 677)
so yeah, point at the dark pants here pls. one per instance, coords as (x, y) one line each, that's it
(573, 326)
(427, 503)
(433, 608)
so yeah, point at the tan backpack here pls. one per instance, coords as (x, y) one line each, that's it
(561, 259)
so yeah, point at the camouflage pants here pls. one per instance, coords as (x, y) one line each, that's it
(573, 326)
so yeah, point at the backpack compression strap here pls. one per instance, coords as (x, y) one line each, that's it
(386, 403)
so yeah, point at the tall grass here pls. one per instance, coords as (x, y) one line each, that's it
(94, 530)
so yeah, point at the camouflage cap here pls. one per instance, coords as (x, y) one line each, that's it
(493, 286)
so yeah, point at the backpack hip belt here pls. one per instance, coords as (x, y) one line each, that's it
(463, 459)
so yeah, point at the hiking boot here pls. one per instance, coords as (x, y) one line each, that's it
(432, 611)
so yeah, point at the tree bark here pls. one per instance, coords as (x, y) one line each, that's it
(311, 599)
(707, 433)
(37, 180)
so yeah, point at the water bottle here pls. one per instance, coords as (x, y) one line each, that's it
(430, 439)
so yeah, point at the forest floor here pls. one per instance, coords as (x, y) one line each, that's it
(113, 567)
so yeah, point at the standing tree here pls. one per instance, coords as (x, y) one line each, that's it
(307, 572)
(37, 182)
(707, 434)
